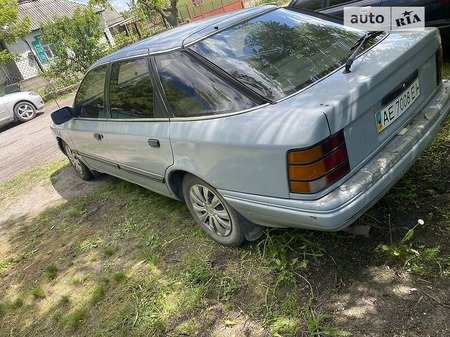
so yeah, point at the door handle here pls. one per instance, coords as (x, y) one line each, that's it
(98, 136)
(153, 142)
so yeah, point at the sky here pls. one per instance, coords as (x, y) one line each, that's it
(119, 5)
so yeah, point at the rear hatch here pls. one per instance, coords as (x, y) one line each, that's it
(386, 88)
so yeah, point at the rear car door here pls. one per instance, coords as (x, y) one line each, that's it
(138, 130)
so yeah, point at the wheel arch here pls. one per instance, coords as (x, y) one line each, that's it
(24, 101)
(60, 142)
(175, 183)
(175, 178)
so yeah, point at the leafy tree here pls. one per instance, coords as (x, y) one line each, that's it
(11, 28)
(75, 42)
(169, 14)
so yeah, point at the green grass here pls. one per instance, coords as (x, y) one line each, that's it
(122, 261)
(20, 183)
(134, 263)
(38, 292)
(51, 272)
(125, 248)
(421, 260)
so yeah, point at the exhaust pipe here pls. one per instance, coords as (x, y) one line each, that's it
(363, 230)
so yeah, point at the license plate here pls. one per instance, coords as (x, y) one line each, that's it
(397, 107)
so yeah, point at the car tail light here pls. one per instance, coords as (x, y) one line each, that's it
(315, 168)
(439, 64)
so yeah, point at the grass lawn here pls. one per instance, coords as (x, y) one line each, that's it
(122, 261)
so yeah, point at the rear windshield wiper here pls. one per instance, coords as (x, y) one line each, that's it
(357, 46)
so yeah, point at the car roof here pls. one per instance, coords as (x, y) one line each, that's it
(183, 35)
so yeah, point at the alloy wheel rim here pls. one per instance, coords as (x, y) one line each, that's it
(25, 111)
(210, 210)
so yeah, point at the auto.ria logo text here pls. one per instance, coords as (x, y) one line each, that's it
(385, 18)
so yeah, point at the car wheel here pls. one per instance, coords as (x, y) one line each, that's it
(210, 210)
(80, 168)
(24, 111)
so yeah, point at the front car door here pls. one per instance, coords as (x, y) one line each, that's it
(89, 127)
(5, 115)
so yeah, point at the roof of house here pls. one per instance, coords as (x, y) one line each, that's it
(46, 10)
(111, 16)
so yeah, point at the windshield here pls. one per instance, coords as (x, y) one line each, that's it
(280, 52)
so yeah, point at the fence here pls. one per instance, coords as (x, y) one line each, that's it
(28, 67)
(198, 9)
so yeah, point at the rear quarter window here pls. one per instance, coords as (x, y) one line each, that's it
(192, 90)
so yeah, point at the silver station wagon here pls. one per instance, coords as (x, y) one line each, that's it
(264, 117)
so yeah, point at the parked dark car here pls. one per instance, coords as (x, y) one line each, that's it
(437, 12)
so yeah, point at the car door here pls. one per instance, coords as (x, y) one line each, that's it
(138, 131)
(5, 115)
(88, 129)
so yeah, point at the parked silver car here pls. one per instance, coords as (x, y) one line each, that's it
(264, 117)
(19, 106)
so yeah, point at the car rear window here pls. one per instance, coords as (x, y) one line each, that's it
(280, 52)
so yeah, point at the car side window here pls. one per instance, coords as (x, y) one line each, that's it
(192, 90)
(310, 4)
(131, 90)
(90, 99)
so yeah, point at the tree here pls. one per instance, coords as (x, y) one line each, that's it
(76, 42)
(169, 14)
(11, 28)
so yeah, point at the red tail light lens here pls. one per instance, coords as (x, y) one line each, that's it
(315, 168)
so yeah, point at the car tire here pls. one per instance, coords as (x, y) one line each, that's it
(24, 111)
(80, 168)
(210, 210)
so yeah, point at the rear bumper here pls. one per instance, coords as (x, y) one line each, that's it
(338, 209)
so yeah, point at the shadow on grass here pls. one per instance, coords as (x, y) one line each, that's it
(128, 262)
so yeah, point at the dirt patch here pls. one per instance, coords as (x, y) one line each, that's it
(67, 185)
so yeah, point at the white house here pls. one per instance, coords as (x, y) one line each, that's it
(35, 56)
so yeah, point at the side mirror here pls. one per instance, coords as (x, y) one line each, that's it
(62, 115)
